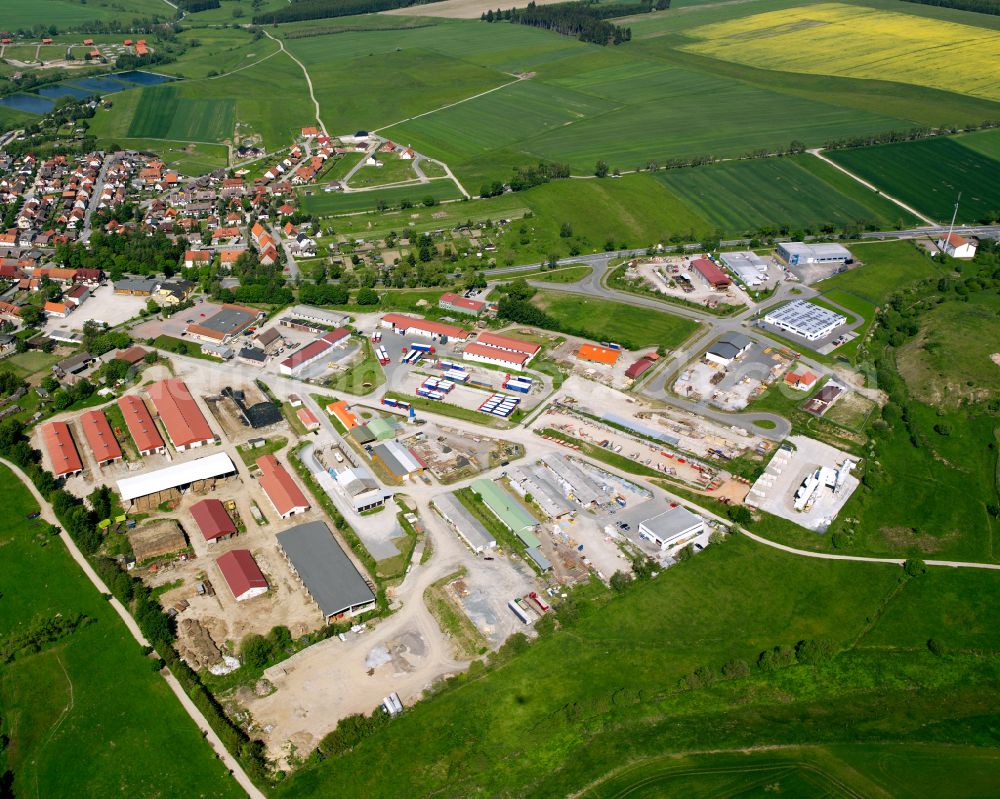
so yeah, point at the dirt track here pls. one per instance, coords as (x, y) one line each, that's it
(454, 9)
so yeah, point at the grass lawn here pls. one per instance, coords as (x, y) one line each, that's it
(68, 14)
(393, 170)
(453, 619)
(331, 203)
(887, 266)
(271, 446)
(615, 698)
(564, 274)
(25, 364)
(164, 113)
(78, 712)
(628, 325)
(181, 347)
(363, 377)
(341, 166)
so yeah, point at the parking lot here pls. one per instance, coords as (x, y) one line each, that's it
(103, 305)
(175, 325)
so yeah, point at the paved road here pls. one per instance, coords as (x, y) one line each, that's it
(196, 715)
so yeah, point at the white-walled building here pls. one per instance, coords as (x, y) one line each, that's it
(957, 246)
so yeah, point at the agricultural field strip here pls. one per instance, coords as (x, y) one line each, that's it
(895, 46)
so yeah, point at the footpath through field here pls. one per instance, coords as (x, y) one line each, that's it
(309, 82)
(818, 152)
(196, 715)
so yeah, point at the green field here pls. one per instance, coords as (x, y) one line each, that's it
(930, 174)
(67, 13)
(329, 203)
(887, 266)
(79, 711)
(950, 361)
(739, 196)
(616, 696)
(614, 321)
(393, 170)
(163, 113)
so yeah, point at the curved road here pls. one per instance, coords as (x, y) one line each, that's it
(196, 715)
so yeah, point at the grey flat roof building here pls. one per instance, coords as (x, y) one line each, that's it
(326, 571)
(747, 265)
(811, 322)
(465, 524)
(229, 319)
(573, 480)
(672, 524)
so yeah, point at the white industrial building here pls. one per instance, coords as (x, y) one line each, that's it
(464, 523)
(671, 526)
(542, 487)
(574, 482)
(177, 476)
(361, 488)
(806, 320)
(749, 267)
(823, 477)
(797, 253)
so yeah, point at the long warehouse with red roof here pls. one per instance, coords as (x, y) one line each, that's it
(100, 437)
(140, 425)
(62, 451)
(180, 414)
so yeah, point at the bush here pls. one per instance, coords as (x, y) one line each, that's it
(935, 646)
(914, 567)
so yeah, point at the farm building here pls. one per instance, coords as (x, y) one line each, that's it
(671, 526)
(465, 524)
(511, 513)
(411, 325)
(308, 419)
(710, 273)
(314, 351)
(136, 286)
(185, 424)
(641, 366)
(800, 381)
(212, 519)
(156, 539)
(242, 574)
(260, 414)
(140, 425)
(329, 576)
(251, 356)
(460, 304)
(957, 246)
(401, 462)
(268, 340)
(61, 449)
(132, 355)
(149, 489)
(100, 437)
(598, 354)
(797, 253)
(749, 267)
(515, 361)
(229, 321)
(279, 487)
(728, 348)
(806, 320)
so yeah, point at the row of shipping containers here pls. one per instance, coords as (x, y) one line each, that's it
(518, 383)
(500, 405)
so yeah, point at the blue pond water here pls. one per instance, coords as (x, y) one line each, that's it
(142, 78)
(63, 90)
(31, 103)
(100, 85)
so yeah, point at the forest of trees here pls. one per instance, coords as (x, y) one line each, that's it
(979, 6)
(323, 9)
(587, 21)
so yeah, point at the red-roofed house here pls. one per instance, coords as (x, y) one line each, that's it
(213, 521)
(279, 487)
(100, 438)
(801, 381)
(180, 414)
(710, 273)
(460, 304)
(957, 246)
(639, 368)
(140, 425)
(308, 419)
(313, 351)
(197, 258)
(62, 451)
(242, 574)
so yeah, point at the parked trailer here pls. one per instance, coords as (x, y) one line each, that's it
(430, 393)
(537, 602)
(423, 348)
(518, 612)
(456, 376)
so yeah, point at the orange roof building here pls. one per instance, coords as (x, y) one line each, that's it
(339, 411)
(308, 418)
(598, 354)
(279, 487)
(140, 425)
(180, 414)
(62, 451)
(100, 438)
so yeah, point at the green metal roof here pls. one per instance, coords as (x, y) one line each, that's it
(381, 429)
(508, 510)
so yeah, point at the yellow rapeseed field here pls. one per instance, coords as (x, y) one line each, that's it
(837, 39)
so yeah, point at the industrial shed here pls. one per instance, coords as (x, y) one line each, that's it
(279, 487)
(212, 519)
(100, 437)
(511, 513)
(465, 524)
(62, 451)
(672, 525)
(148, 490)
(242, 574)
(399, 460)
(140, 425)
(185, 423)
(326, 571)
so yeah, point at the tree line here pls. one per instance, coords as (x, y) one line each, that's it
(586, 21)
(979, 6)
(324, 9)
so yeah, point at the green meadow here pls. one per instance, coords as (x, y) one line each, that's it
(86, 715)
(163, 113)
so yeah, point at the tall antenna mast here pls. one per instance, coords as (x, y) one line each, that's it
(951, 229)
